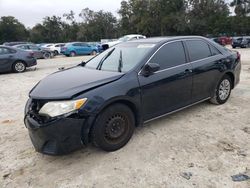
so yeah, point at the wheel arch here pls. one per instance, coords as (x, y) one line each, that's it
(132, 106)
(232, 77)
(18, 60)
(126, 102)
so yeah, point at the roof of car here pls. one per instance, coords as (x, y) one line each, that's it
(165, 39)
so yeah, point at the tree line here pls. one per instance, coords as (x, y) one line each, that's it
(147, 17)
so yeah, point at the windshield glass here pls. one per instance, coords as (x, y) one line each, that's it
(121, 58)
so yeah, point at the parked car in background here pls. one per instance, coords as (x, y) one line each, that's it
(103, 100)
(224, 40)
(15, 60)
(79, 48)
(15, 43)
(46, 45)
(122, 39)
(38, 52)
(242, 42)
(55, 48)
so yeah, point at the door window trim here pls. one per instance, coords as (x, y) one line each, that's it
(184, 40)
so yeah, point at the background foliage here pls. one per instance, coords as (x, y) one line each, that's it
(147, 17)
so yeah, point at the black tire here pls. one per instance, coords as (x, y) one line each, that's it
(221, 96)
(19, 67)
(72, 54)
(234, 47)
(46, 55)
(94, 52)
(113, 128)
(55, 53)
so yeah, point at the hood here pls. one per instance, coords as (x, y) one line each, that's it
(68, 83)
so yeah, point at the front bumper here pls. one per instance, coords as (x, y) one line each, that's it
(58, 137)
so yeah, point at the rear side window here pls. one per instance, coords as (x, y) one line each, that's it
(214, 50)
(198, 50)
(170, 55)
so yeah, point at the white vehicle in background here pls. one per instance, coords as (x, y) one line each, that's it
(55, 48)
(122, 39)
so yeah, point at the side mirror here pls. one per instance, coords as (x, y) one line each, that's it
(150, 68)
(83, 63)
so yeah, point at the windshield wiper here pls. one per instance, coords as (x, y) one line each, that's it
(99, 66)
(120, 62)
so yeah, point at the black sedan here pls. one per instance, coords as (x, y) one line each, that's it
(103, 100)
(15, 60)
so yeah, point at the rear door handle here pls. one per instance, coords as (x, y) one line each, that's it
(10, 55)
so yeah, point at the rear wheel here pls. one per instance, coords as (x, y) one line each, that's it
(19, 67)
(223, 91)
(93, 52)
(113, 128)
(72, 54)
(46, 55)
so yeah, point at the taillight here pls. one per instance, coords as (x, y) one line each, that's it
(238, 55)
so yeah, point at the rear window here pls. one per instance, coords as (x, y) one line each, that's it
(198, 49)
(5, 51)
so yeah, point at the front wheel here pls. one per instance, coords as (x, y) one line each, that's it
(113, 127)
(223, 91)
(19, 67)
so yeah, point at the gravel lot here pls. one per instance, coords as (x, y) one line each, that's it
(209, 142)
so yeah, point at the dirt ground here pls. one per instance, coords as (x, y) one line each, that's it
(202, 146)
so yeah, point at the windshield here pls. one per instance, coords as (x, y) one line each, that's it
(121, 58)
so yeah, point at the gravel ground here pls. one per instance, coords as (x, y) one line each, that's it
(202, 146)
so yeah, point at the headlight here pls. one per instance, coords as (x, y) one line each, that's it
(57, 108)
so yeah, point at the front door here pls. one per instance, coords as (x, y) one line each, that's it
(169, 88)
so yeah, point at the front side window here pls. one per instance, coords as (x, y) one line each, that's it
(120, 58)
(198, 50)
(170, 55)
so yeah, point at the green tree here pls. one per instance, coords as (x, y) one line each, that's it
(242, 7)
(97, 25)
(12, 30)
(207, 16)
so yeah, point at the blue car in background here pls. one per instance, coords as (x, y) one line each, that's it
(79, 48)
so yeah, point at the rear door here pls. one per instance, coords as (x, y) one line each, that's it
(37, 51)
(206, 61)
(86, 49)
(169, 88)
(77, 47)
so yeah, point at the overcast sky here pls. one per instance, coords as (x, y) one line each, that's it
(30, 12)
